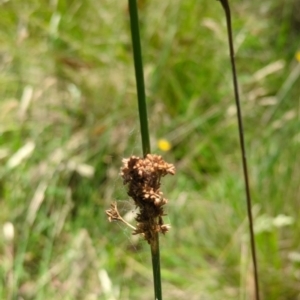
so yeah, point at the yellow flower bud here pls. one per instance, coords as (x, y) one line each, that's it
(164, 145)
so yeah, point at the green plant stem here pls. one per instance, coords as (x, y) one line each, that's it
(139, 74)
(156, 267)
(226, 8)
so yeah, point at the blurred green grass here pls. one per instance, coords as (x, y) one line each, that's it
(68, 101)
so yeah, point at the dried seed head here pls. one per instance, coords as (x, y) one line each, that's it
(143, 175)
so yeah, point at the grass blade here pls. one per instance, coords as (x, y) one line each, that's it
(226, 8)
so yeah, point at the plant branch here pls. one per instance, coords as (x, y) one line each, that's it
(226, 8)
(114, 215)
(156, 267)
(139, 74)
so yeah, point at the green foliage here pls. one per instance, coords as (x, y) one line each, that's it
(68, 100)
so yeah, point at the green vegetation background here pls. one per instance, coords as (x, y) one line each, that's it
(68, 115)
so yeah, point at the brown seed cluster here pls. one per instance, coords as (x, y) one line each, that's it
(143, 175)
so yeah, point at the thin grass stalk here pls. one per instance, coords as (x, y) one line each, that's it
(226, 8)
(139, 74)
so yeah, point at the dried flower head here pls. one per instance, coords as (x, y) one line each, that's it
(143, 175)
